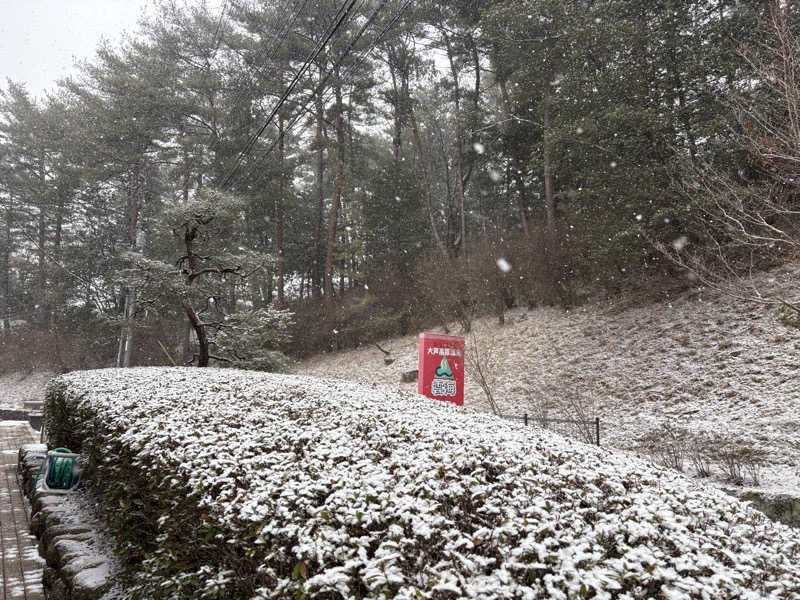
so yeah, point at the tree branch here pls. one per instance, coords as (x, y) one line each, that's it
(217, 271)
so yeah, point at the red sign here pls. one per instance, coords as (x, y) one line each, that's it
(441, 367)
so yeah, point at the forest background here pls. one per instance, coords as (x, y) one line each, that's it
(278, 177)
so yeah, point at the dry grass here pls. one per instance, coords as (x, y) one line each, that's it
(702, 361)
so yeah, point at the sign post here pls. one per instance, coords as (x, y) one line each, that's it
(441, 367)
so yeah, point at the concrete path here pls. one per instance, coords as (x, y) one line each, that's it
(22, 566)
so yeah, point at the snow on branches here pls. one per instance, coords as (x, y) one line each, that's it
(202, 280)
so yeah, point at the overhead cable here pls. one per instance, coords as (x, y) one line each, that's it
(344, 12)
(364, 54)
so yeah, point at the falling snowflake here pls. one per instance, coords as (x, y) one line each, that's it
(680, 243)
(503, 265)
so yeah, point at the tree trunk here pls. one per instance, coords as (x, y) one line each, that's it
(126, 335)
(125, 346)
(549, 203)
(200, 331)
(187, 341)
(302, 285)
(321, 142)
(6, 275)
(187, 172)
(128, 349)
(426, 166)
(460, 161)
(342, 287)
(56, 254)
(516, 160)
(398, 120)
(42, 266)
(279, 203)
(270, 286)
(338, 183)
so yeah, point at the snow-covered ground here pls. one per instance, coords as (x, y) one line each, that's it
(703, 362)
(17, 388)
(274, 486)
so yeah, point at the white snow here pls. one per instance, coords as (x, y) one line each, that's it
(702, 361)
(18, 387)
(372, 492)
(503, 265)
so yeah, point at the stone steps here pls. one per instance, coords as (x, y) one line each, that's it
(22, 567)
(33, 406)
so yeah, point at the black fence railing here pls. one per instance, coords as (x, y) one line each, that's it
(586, 430)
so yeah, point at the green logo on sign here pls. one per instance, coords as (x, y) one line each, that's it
(443, 370)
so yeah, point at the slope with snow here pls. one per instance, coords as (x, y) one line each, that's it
(704, 361)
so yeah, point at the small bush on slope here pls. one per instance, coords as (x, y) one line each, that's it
(238, 485)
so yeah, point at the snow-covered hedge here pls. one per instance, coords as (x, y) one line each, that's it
(233, 484)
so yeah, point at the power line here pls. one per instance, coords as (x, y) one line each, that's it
(261, 56)
(281, 37)
(337, 64)
(349, 49)
(379, 37)
(343, 13)
(349, 71)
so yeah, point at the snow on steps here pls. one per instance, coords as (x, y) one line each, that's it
(326, 488)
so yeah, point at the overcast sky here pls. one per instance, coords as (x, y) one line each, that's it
(40, 39)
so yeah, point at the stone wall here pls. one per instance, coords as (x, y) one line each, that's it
(80, 565)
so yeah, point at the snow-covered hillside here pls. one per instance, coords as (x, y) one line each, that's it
(703, 363)
(17, 389)
(226, 483)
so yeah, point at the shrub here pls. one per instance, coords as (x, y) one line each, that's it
(700, 453)
(738, 459)
(232, 484)
(667, 445)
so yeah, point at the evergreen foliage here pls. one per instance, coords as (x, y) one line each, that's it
(432, 137)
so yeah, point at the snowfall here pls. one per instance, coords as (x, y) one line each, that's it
(361, 490)
(340, 489)
(703, 361)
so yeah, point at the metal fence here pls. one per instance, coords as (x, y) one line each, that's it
(584, 430)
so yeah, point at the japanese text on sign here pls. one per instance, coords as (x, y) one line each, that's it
(443, 387)
(436, 351)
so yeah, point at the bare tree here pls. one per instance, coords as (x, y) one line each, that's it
(752, 214)
(478, 364)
